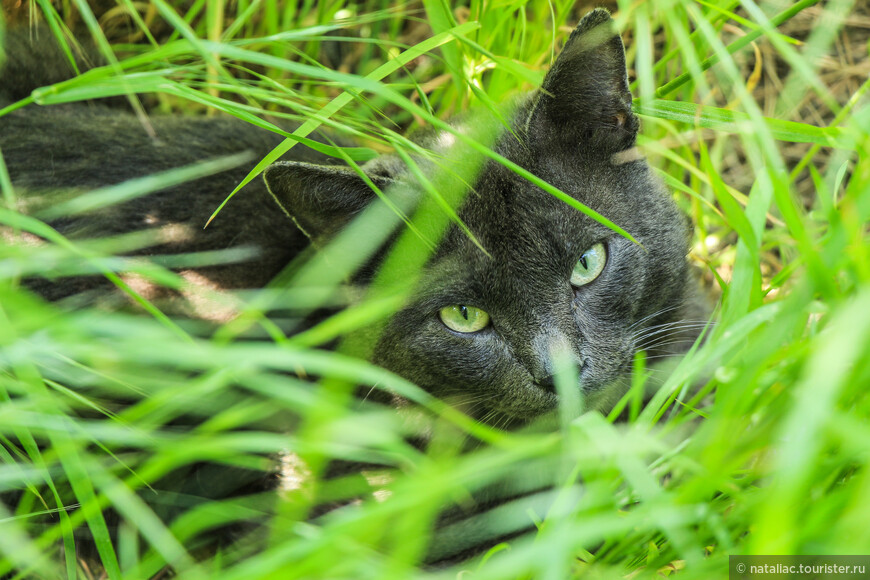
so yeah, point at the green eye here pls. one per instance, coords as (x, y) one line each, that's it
(589, 266)
(463, 318)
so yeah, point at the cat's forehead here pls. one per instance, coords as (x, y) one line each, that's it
(504, 205)
(519, 226)
(519, 232)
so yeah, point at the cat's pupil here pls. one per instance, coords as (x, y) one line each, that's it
(583, 261)
(464, 311)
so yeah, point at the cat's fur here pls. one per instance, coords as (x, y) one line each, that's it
(577, 133)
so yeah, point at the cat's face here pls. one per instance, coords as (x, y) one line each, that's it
(554, 283)
(484, 328)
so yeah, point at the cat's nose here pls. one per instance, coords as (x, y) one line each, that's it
(552, 350)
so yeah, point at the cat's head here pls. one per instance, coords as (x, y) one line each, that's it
(484, 326)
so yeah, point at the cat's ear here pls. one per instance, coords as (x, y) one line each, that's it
(321, 199)
(585, 96)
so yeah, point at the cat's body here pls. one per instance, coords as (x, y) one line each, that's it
(100, 133)
(577, 134)
(53, 152)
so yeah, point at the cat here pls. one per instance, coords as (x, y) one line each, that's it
(492, 313)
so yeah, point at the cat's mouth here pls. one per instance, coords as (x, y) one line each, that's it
(541, 396)
(530, 398)
(547, 383)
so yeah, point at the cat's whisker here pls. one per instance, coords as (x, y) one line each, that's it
(651, 341)
(659, 341)
(657, 313)
(470, 404)
(665, 342)
(663, 334)
(369, 392)
(677, 306)
(681, 320)
(658, 356)
(659, 372)
(503, 421)
(677, 323)
(488, 416)
(671, 327)
(465, 398)
(474, 405)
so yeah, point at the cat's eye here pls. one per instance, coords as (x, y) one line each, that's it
(462, 318)
(589, 266)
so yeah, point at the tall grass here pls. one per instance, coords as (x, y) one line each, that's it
(768, 458)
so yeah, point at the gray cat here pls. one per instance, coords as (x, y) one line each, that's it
(540, 279)
(551, 277)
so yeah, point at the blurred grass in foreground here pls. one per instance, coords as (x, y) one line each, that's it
(766, 148)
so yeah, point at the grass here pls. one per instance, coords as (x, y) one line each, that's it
(755, 119)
